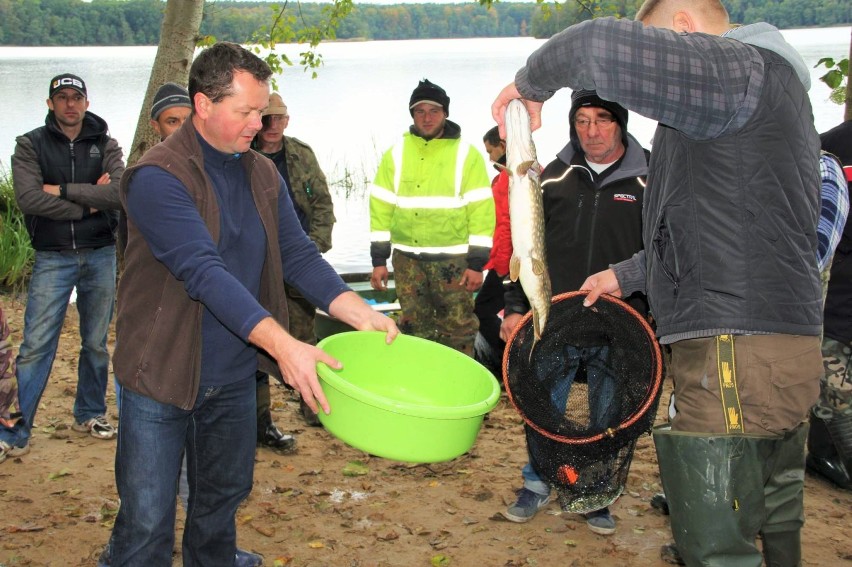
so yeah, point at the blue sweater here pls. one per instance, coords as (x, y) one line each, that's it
(225, 276)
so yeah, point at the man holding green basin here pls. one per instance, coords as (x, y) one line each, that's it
(212, 235)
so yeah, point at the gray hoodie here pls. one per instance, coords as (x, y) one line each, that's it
(768, 37)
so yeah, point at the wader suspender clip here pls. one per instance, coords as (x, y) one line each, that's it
(728, 384)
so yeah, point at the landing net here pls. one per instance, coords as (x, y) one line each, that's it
(588, 391)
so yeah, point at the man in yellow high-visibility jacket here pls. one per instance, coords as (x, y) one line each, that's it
(431, 202)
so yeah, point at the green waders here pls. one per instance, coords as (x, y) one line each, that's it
(724, 490)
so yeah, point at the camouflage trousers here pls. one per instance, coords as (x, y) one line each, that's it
(8, 382)
(301, 314)
(434, 305)
(835, 392)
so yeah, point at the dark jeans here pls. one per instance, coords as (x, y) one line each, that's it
(601, 382)
(218, 435)
(488, 303)
(55, 275)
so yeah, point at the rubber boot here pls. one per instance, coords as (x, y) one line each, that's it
(714, 488)
(784, 499)
(822, 456)
(840, 428)
(264, 397)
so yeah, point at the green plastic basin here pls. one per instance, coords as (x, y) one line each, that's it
(413, 400)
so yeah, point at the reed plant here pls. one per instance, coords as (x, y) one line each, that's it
(16, 253)
(353, 180)
(350, 182)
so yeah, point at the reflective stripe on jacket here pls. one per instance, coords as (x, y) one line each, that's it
(432, 197)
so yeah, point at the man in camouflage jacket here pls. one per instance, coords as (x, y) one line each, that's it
(298, 165)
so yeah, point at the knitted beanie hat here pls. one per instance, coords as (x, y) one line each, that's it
(430, 93)
(169, 95)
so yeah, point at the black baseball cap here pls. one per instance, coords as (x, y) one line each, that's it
(66, 81)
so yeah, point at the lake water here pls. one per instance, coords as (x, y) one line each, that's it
(355, 109)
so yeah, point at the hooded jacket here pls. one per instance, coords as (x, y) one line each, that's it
(501, 247)
(589, 222)
(432, 198)
(45, 156)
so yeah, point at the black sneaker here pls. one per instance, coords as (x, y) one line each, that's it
(600, 521)
(659, 502)
(669, 554)
(245, 558)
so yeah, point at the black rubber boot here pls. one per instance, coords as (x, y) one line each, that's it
(308, 414)
(268, 435)
(264, 398)
(822, 457)
(840, 428)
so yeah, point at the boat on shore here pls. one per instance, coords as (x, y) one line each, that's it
(385, 302)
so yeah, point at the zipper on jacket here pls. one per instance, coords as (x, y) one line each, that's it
(672, 277)
(594, 223)
(73, 179)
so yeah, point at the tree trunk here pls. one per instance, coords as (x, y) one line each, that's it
(848, 114)
(178, 37)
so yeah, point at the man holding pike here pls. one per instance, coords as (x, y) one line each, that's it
(730, 272)
(431, 201)
(592, 195)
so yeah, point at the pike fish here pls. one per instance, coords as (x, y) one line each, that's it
(526, 215)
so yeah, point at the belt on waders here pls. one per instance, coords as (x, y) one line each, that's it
(728, 384)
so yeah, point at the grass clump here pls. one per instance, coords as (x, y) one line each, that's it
(16, 253)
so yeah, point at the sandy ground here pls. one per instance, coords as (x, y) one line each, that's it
(57, 504)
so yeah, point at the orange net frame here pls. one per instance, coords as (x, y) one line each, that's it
(586, 391)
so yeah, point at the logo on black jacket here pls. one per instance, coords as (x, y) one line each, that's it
(624, 197)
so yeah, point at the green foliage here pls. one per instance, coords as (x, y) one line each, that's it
(553, 18)
(290, 24)
(16, 254)
(137, 22)
(836, 78)
(790, 13)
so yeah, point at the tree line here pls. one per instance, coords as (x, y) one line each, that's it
(137, 22)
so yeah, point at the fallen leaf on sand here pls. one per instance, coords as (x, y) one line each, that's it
(355, 468)
(60, 474)
(24, 528)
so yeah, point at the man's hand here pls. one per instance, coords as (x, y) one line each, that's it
(350, 308)
(471, 280)
(508, 325)
(602, 282)
(379, 279)
(296, 360)
(508, 94)
(55, 190)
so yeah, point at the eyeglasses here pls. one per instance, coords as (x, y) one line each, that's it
(583, 123)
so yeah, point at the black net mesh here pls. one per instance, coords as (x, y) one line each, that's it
(587, 391)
